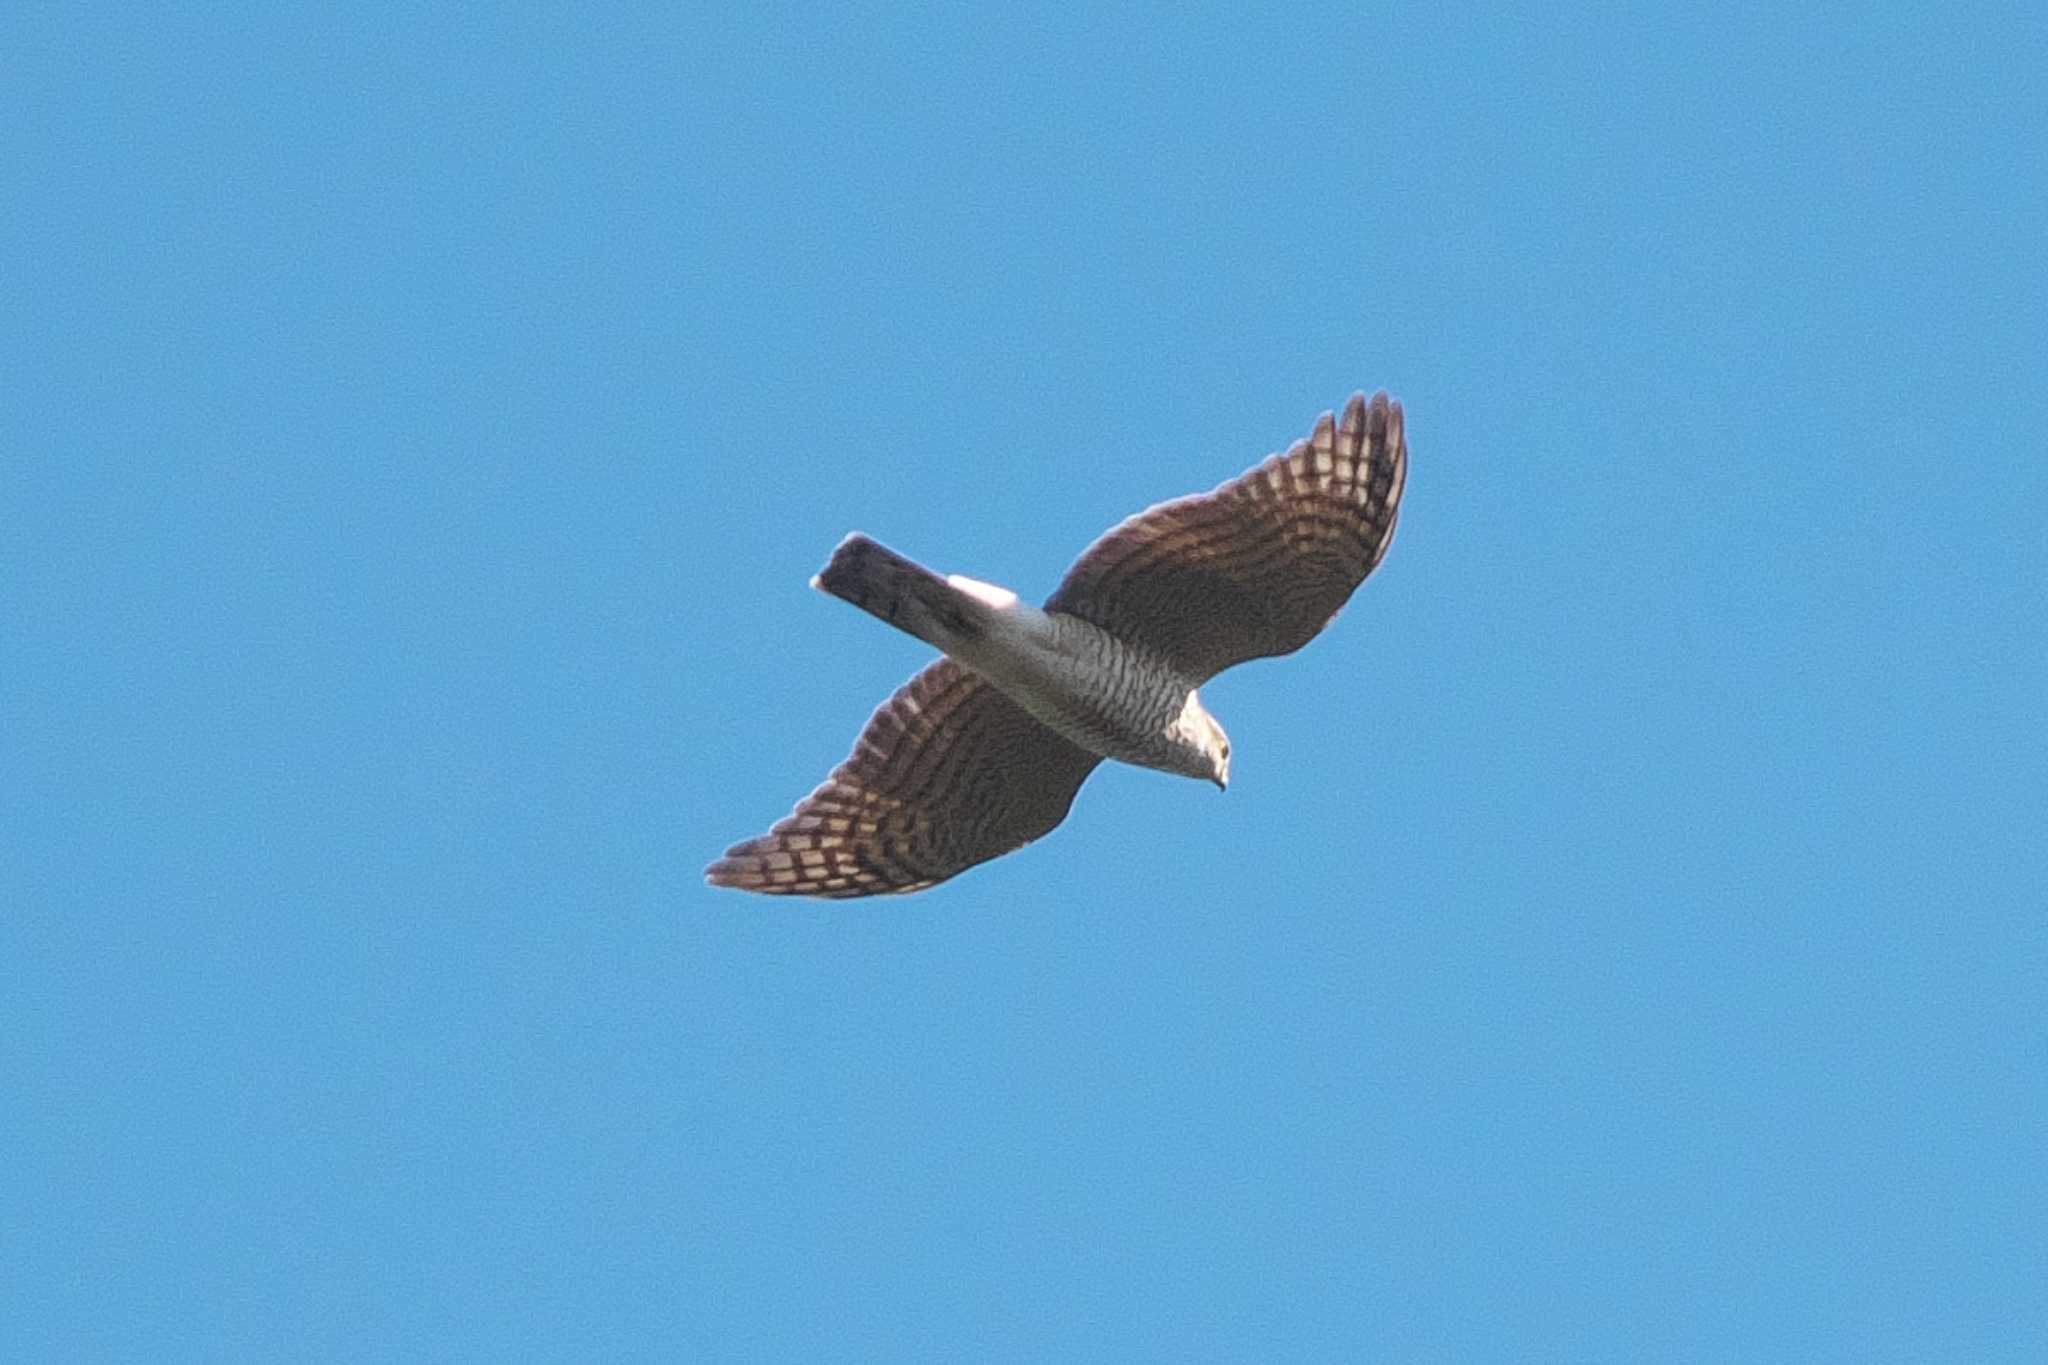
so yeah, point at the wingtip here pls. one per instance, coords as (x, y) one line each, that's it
(1381, 412)
(735, 874)
(1359, 404)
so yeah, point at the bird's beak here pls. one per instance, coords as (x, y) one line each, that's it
(1222, 783)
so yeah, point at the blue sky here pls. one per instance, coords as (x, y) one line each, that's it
(1623, 937)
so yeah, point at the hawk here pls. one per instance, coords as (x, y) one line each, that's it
(983, 751)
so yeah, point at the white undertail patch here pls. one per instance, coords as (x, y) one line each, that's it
(999, 598)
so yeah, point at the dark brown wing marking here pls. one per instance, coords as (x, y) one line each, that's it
(1258, 566)
(948, 773)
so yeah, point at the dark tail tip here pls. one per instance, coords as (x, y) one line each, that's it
(844, 568)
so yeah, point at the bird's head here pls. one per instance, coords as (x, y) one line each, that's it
(1205, 749)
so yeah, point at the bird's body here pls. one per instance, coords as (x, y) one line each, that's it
(983, 751)
(1100, 693)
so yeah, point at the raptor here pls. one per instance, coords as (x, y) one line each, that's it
(983, 751)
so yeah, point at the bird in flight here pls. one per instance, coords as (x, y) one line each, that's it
(983, 751)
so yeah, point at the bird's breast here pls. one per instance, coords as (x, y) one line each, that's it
(1089, 686)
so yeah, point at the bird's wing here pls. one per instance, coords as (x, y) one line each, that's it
(948, 773)
(1258, 566)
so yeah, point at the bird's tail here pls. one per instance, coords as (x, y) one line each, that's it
(907, 595)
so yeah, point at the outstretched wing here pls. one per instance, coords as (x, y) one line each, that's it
(948, 773)
(1258, 566)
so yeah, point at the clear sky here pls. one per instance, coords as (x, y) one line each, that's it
(1623, 938)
